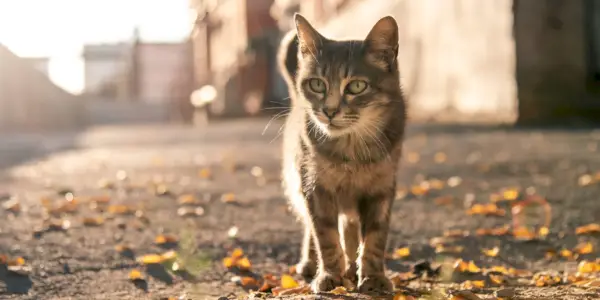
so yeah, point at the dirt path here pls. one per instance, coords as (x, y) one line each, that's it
(159, 165)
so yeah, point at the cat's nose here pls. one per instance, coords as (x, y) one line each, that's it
(330, 112)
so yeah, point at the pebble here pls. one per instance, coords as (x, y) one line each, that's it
(505, 293)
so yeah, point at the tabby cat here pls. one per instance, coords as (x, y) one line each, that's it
(342, 143)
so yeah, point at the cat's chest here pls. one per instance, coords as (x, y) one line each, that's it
(354, 179)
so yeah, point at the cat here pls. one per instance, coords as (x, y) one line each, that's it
(342, 143)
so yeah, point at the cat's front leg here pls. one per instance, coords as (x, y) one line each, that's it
(375, 219)
(324, 212)
(307, 267)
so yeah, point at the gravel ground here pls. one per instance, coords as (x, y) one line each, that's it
(129, 164)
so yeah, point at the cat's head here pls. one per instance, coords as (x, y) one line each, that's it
(348, 85)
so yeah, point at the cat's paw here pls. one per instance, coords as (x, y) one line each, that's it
(351, 275)
(325, 282)
(375, 283)
(306, 269)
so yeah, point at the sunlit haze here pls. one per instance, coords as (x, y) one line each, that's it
(59, 28)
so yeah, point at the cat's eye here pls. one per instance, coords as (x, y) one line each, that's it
(317, 85)
(356, 87)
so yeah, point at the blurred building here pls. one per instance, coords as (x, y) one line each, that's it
(472, 60)
(39, 63)
(234, 45)
(107, 67)
(29, 101)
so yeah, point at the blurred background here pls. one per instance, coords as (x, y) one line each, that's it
(74, 63)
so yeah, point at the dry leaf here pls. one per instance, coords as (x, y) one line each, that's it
(453, 233)
(419, 190)
(489, 209)
(498, 231)
(510, 194)
(150, 259)
(18, 261)
(301, 290)
(586, 267)
(442, 249)
(288, 282)
(121, 210)
(491, 252)
(593, 228)
(228, 262)
(123, 248)
(243, 264)
(228, 198)
(471, 284)
(169, 255)
(463, 266)
(205, 173)
(401, 253)
(340, 290)
(401, 296)
(135, 275)
(444, 200)
(93, 221)
(237, 253)
(523, 233)
(440, 157)
(187, 199)
(497, 279)
(566, 253)
(162, 239)
(584, 248)
(541, 280)
(248, 281)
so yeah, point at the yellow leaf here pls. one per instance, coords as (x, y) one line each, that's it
(244, 264)
(543, 231)
(237, 253)
(340, 290)
(169, 255)
(491, 252)
(470, 284)
(584, 248)
(187, 199)
(463, 266)
(120, 210)
(448, 249)
(497, 279)
(593, 228)
(523, 233)
(228, 198)
(510, 194)
(150, 259)
(135, 275)
(418, 190)
(402, 252)
(162, 239)
(19, 261)
(586, 267)
(401, 296)
(489, 209)
(288, 282)
(228, 262)
(205, 173)
(566, 253)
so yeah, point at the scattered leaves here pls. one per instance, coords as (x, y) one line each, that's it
(497, 231)
(584, 248)
(237, 259)
(466, 267)
(542, 279)
(586, 267)
(135, 274)
(471, 284)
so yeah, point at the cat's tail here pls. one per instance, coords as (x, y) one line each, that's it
(287, 58)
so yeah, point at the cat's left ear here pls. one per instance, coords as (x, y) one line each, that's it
(381, 44)
(309, 38)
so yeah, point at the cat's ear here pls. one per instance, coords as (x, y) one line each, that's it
(381, 44)
(309, 39)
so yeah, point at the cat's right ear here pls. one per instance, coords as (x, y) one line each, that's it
(309, 39)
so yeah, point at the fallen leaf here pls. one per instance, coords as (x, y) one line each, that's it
(18, 261)
(541, 280)
(163, 239)
(444, 200)
(243, 264)
(593, 228)
(248, 281)
(169, 255)
(228, 198)
(498, 231)
(121, 210)
(93, 221)
(499, 269)
(453, 233)
(237, 253)
(440, 157)
(523, 233)
(419, 190)
(543, 231)
(466, 267)
(489, 209)
(288, 282)
(123, 248)
(510, 194)
(442, 249)
(187, 199)
(301, 290)
(584, 248)
(491, 252)
(586, 267)
(471, 284)
(340, 290)
(401, 253)
(135, 275)
(228, 262)
(566, 253)
(205, 173)
(497, 279)
(150, 259)
(401, 296)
